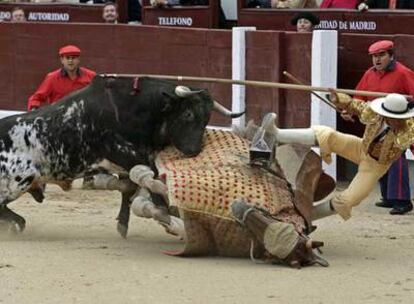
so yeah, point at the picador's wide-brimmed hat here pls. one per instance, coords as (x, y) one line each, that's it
(393, 106)
(305, 15)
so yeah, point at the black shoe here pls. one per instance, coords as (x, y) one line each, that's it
(384, 204)
(402, 209)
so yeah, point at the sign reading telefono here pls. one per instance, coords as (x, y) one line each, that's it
(348, 25)
(175, 21)
(39, 16)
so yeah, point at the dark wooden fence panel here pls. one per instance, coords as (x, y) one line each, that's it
(262, 63)
(269, 53)
(297, 61)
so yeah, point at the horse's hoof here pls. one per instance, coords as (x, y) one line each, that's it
(122, 230)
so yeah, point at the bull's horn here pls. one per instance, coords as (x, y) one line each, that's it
(183, 91)
(221, 109)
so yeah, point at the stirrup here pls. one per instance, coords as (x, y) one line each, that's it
(263, 147)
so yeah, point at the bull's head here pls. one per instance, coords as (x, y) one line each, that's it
(179, 114)
(189, 112)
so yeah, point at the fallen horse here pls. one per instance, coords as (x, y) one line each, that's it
(228, 207)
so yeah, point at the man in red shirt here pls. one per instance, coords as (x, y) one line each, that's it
(59, 83)
(389, 76)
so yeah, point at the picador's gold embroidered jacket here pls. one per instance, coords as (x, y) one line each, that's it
(394, 143)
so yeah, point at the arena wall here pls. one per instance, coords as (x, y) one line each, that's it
(29, 50)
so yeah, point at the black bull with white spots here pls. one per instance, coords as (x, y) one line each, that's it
(120, 119)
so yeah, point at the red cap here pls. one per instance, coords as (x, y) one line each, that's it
(380, 46)
(69, 50)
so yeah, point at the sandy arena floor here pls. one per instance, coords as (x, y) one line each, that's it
(70, 252)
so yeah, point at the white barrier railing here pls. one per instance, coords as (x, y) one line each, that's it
(239, 72)
(324, 74)
(5, 113)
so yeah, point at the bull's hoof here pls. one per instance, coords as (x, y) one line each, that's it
(122, 230)
(17, 227)
(11, 221)
(11, 226)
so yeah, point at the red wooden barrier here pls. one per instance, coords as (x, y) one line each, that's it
(29, 50)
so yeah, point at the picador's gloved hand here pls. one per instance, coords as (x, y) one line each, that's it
(341, 100)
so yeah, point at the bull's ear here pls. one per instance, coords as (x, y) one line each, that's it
(98, 81)
(169, 95)
(169, 100)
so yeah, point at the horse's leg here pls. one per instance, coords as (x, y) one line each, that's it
(124, 211)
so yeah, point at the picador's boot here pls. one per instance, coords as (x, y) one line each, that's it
(280, 239)
(288, 136)
(267, 136)
(296, 136)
